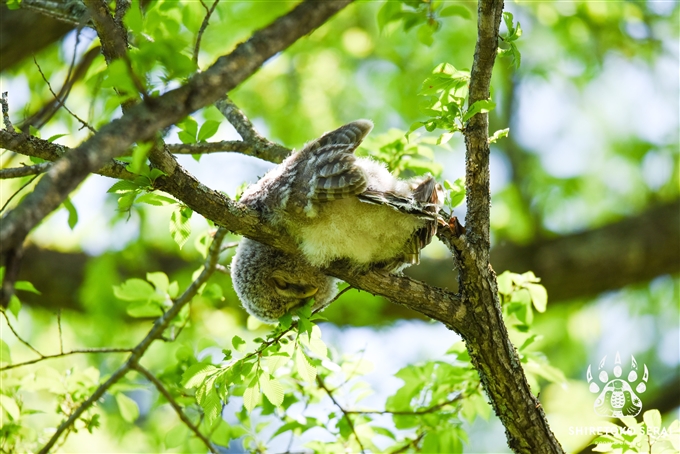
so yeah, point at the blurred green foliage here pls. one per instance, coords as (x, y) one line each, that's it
(371, 60)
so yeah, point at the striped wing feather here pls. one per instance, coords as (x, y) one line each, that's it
(337, 176)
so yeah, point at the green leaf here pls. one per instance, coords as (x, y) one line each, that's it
(14, 305)
(123, 186)
(516, 56)
(152, 198)
(180, 227)
(117, 75)
(189, 130)
(186, 138)
(237, 342)
(499, 135)
(159, 280)
(133, 19)
(212, 407)
(126, 200)
(456, 10)
(26, 286)
(272, 389)
(304, 368)
(139, 154)
(196, 374)
(482, 106)
(388, 13)
(5, 356)
(652, 419)
(134, 290)
(456, 193)
(128, 407)
(10, 407)
(208, 129)
(72, 213)
(426, 34)
(251, 397)
(144, 309)
(55, 137)
(539, 296)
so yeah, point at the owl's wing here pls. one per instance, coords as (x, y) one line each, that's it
(336, 174)
(426, 201)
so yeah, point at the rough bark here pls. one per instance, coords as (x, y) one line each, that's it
(483, 330)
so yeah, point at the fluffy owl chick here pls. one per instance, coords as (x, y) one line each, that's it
(270, 283)
(338, 206)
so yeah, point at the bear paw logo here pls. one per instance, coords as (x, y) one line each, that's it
(616, 397)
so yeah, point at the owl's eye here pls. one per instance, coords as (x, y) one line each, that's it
(279, 283)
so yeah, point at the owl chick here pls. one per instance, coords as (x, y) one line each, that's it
(339, 206)
(270, 283)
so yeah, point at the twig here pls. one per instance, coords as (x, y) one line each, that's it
(322, 385)
(5, 112)
(17, 172)
(173, 403)
(156, 332)
(238, 119)
(424, 411)
(204, 25)
(248, 132)
(413, 442)
(271, 151)
(122, 6)
(18, 191)
(60, 102)
(61, 339)
(46, 112)
(68, 353)
(4, 314)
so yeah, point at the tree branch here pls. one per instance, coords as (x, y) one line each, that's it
(345, 414)
(69, 353)
(143, 121)
(17, 172)
(72, 13)
(204, 25)
(173, 403)
(269, 152)
(156, 332)
(482, 327)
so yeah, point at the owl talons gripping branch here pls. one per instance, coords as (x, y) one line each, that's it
(336, 206)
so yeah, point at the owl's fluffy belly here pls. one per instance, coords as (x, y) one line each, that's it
(350, 229)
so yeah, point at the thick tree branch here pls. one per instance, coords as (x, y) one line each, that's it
(155, 333)
(485, 334)
(72, 13)
(143, 121)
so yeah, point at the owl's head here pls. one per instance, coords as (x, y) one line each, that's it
(270, 282)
